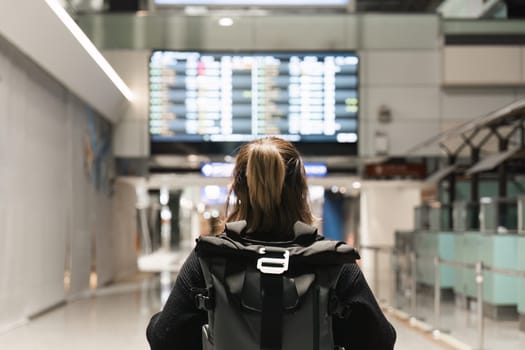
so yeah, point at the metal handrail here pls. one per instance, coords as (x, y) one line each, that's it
(479, 268)
(380, 247)
(508, 272)
(457, 263)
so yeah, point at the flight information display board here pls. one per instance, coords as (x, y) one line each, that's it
(237, 97)
(322, 3)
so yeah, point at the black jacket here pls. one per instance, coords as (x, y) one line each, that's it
(178, 325)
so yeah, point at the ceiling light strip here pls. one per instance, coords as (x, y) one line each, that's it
(90, 48)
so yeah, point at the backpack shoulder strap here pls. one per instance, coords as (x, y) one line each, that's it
(205, 299)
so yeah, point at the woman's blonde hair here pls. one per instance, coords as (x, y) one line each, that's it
(270, 189)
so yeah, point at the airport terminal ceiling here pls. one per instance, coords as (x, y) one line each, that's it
(165, 133)
(448, 8)
(353, 5)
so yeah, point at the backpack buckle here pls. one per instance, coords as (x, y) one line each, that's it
(275, 266)
(203, 302)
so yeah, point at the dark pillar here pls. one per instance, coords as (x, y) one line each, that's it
(474, 191)
(502, 183)
(451, 192)
(522, 129)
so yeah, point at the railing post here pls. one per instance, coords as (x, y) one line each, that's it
(413, 290)
(376, 272)
(393, 285)
(479, 283)
(437, 293)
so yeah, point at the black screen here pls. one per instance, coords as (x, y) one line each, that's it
(209, 102)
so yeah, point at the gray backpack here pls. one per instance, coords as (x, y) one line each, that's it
(270, 295)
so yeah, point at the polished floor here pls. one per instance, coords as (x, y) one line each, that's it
(115, 317)
(461, 324)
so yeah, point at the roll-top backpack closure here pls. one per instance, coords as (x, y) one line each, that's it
(307, 248)
(272, 280)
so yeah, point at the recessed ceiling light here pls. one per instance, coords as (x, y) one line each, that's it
(226, 22)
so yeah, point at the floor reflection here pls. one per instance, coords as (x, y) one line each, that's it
(115, 317)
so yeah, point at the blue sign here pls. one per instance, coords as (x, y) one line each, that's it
(316, 169)
(218, 169)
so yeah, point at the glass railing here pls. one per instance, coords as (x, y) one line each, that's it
(491, 215)
(432, 217)
(521, 214)
(498, 215)
(459, 214)
(439, 217)
(421, 217)
(465, 216)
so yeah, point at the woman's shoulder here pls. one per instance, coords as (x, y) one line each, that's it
(190, 274)
(349, 277)
(191, 264)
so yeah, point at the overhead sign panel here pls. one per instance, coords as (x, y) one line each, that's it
(218, 169)
(322, 3)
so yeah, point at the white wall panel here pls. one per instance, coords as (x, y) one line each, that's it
(401, 67)
(403, 135)
(351, 33)
(80, 237)
(44, 158)
(482, 65)
(104, 240)
(407, 82)
(470, 103)
(133, 67)
(3, 194)
(239, 36)
(131, 138)
(11, 263)
(131, 132)
(363, 143)
(13, 294)
(123, 227)
(300, 33)
(46, 204)
(386, 206)
(377, 200)
(365, 139)
(522, 68)
(4, 69)
(405, 103)
(174, 32)
(397, 32)
(16, 268)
